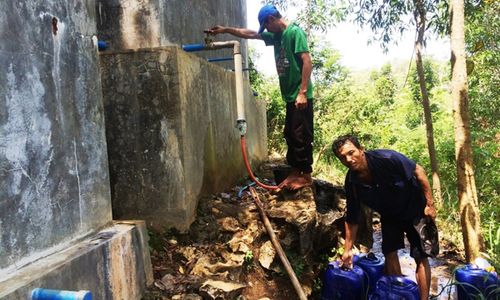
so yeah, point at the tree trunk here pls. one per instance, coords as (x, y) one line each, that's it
(467, 194)
(436, 183)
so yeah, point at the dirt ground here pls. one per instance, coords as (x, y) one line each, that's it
(220, 257)
(174, 268)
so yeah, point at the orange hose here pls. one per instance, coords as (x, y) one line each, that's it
(245, 159)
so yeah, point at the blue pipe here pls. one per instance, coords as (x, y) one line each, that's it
(219, 59)
(240, 193)
(193, 47)
(244, 69)
(102, 45)
(45, 294)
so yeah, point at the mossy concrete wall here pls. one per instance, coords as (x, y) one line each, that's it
(54, 183)
(54, 179)
(170, 122)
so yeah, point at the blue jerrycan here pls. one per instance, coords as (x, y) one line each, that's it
(394, 288)
(473, 282)
(343, 283)
(373, 267)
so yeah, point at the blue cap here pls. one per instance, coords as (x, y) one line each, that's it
(266, 11)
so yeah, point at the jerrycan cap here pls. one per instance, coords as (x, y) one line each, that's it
(369, 258)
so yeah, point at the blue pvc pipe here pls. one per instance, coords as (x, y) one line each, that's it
(244, 69)
(240, 193)
(45, 294)
(193, 47)
(102, 45)
(219, 59)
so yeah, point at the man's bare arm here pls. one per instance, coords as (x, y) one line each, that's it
(426, 189)
(301, 101)
(239, 32)
(351, 231)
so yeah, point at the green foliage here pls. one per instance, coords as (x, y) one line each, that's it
(385, 86)
(248, 257)
(267, 90)
(297, 261)
(430, 80)
(389, 19)
(492, 238)
(157, 239)
(319, 15)
(386, 113)
(318, 284)
(276, 111)
(314, 15)
(255, 79)
(248, 260)
(326, 67)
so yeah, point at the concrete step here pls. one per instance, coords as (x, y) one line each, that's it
(113, 264)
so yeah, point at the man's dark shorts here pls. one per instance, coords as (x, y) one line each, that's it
(421, 233)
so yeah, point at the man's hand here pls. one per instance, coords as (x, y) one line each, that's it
(301, 101)
(347, 259)
(430, 211)
(351, 231)
(217, 29)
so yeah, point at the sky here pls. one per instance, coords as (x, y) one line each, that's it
(351, 42)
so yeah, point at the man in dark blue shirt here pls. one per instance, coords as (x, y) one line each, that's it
(397, 188)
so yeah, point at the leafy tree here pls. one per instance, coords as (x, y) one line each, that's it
(420, 19)
(276, 109)
(385, 85)
(483, 49)
(387, 17)
(430, 79)
(467, 193)
(314, 15)
(326, 65)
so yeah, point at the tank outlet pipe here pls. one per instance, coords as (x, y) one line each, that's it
(46, 294)
(241, 123)
(238, 73)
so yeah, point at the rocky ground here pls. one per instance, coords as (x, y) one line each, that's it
(227, 253)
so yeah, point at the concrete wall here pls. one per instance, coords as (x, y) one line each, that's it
(54, 182)
(170, 120)
(113, 264)
(134, 24)
(177, 112)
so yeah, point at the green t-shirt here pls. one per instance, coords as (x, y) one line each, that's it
(287, 48)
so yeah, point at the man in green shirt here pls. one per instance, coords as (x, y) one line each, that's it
(294, 67)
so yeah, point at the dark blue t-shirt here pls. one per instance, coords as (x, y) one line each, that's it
(394, 192)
